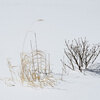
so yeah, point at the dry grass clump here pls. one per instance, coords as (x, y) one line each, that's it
(35, 69)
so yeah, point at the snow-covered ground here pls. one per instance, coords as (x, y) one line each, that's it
(63, 19)
(76, 86)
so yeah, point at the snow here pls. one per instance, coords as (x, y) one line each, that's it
(63, 19)
(76, 86)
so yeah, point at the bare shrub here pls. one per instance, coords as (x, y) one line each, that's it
(80, 54)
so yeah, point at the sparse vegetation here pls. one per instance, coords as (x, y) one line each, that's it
(34, 69)
(80, 54)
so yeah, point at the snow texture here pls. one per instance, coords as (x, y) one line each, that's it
(63, 19)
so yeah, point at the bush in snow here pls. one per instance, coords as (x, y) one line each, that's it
(80, 54)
